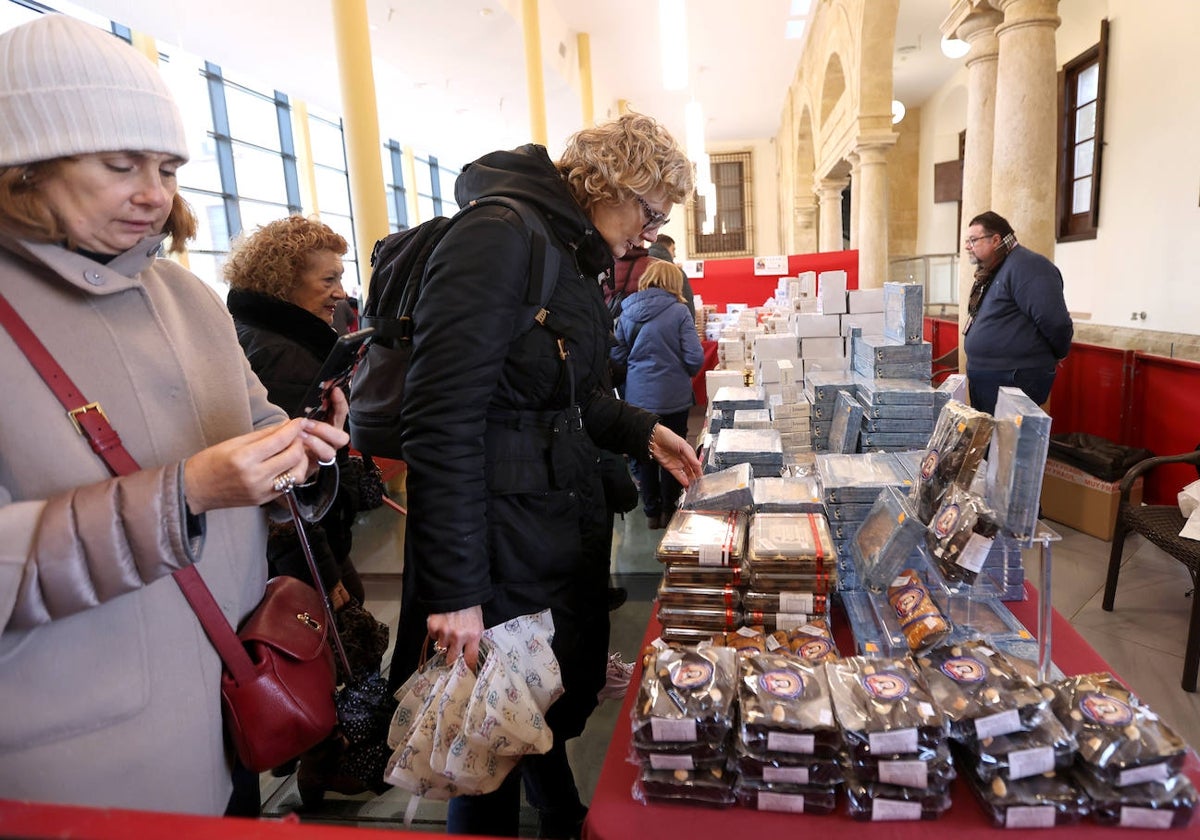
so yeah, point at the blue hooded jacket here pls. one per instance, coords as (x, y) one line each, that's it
(657, 342)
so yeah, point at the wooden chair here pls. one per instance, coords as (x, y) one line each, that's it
(1160, 524)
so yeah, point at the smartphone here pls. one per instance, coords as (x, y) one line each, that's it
(335, 372)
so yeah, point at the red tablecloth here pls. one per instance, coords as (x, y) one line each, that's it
(615, 815)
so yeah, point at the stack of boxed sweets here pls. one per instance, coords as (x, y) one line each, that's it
(702, 554)
(777, 365)
(850, 484)
(729, 399)
(790, 569)
(762, 449)
(898, 414)
(821, 389)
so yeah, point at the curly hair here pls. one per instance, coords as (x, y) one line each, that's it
(24, 212)
(660, 274)
(270, 260)
(631, 155)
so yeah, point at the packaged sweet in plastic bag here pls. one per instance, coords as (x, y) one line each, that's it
(728, 489)
(785, 707)
(787, 768)
(791, 799)
(1167, 804)
(960, 536)
(1047, 747)
(884, 707)
(712, 786)
(879, 802)
(1041, 801)
(920, 619)
(958, 443)
(980, 690)
(1120, 739)
(686, 696)
(922, 770)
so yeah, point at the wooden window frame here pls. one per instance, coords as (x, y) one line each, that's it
(1073, 227)
(695, 237)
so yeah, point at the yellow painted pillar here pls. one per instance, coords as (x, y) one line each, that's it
(306, 172)
(364, 158)
(533, 71)
(147, 46)
(410, 191)
(583, 45)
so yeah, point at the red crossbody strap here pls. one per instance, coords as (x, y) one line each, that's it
(88, 418)
(90, 421)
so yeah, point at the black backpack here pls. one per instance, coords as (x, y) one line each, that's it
(398, 274)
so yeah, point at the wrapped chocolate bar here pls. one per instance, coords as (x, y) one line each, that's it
(880, 802)
(728, 489)
(1166, 804)
(960, 536)
(921, 622)
(787, 798)
(798, 494)
(712, 786)
(1047, 747)
(884, 707)
(1041, 801)
(923, 769)
(706, 539)
(686, 697)
(958, 443)
(787, 768)
(1120, 740)
(886, 539)
(785, 707)
(980, 690)
(847, 423)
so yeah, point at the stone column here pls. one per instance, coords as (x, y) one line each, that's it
(805, 228)
(979, 31)
(855, 199)
(871, 209)
(829, 195)
(1025, 152)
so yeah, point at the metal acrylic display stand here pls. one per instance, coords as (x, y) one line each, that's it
(1043, 537)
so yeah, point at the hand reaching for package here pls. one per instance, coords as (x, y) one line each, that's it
(674, 454)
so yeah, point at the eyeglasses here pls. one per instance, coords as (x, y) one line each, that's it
(971, 240)
(654, 219)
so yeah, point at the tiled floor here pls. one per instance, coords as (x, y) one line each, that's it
(1143, 640)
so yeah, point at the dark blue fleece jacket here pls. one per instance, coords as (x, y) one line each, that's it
(657, 341)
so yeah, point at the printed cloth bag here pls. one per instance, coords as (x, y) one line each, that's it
(457, 733)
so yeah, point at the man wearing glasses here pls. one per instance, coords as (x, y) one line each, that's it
(1018, 328)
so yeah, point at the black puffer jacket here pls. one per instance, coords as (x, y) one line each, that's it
(506, 508)
(286, 346)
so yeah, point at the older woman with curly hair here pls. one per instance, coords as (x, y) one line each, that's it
(285, 282)
(504, 420)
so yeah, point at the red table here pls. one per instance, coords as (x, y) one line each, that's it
(615, 815)
(699, 384)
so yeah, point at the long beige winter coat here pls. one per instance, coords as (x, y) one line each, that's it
(108, 686)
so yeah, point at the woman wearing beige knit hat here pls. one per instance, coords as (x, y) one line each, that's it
(108, 683)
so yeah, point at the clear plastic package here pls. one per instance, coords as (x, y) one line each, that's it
(980, 690)
(961, 535)
(923, 769)
(784, 708)
(699, 618)
(788, 768)
(886, 539)
(857, 479)
(824, 385)
(874, 627)
(1045, 747)
(778, 577)
(846, 424)
(1016, 460)
(1035, 802)
(1121, 740)
(788, 798)
(790, 537)
(904, 311)
(880, 802)
(707, 539)
(691, 574)
(1160, 805)
(794, 601)
(958, 443)
(884, 707)
(762, 449)
(728, 489)
(811, 641)
(731, 398)
(800, 494)
(686, 697)
(920, 619)
(712, 787)
(879, 392)
(676, 595)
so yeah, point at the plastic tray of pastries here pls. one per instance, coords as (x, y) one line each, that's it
(982, 692)
(790, 536)
(707, 539)
(789, 601)
(1120, 739)
(884, 707)
(873, 624)
(723, 596)
(774, 579)
(858, 478)
(788, 494)
(700, 618)
(812, 642)
(1016, 461)
(784, 707)
(692, 574)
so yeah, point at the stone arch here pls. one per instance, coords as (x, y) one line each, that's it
(833, 87)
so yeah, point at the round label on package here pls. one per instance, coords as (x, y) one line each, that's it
(964, 669)
(1105, 710)
(886, 685)
(782, 683)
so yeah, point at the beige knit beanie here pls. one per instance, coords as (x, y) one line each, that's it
(68, 88)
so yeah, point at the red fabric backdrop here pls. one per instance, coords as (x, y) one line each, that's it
(734, 281)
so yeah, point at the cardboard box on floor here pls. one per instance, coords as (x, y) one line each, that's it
(1082, 501)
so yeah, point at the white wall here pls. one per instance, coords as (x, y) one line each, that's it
(1145, 255)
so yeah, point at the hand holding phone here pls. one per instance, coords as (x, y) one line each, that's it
(335, 372)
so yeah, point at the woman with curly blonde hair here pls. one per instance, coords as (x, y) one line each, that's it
(504, 419)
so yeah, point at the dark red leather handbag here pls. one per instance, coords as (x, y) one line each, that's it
(277, 687)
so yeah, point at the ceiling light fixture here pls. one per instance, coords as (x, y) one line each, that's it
(954, 48)
(673, 45)
(898, 111)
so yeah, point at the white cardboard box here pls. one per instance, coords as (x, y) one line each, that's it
(823, 348)
(864, 300)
